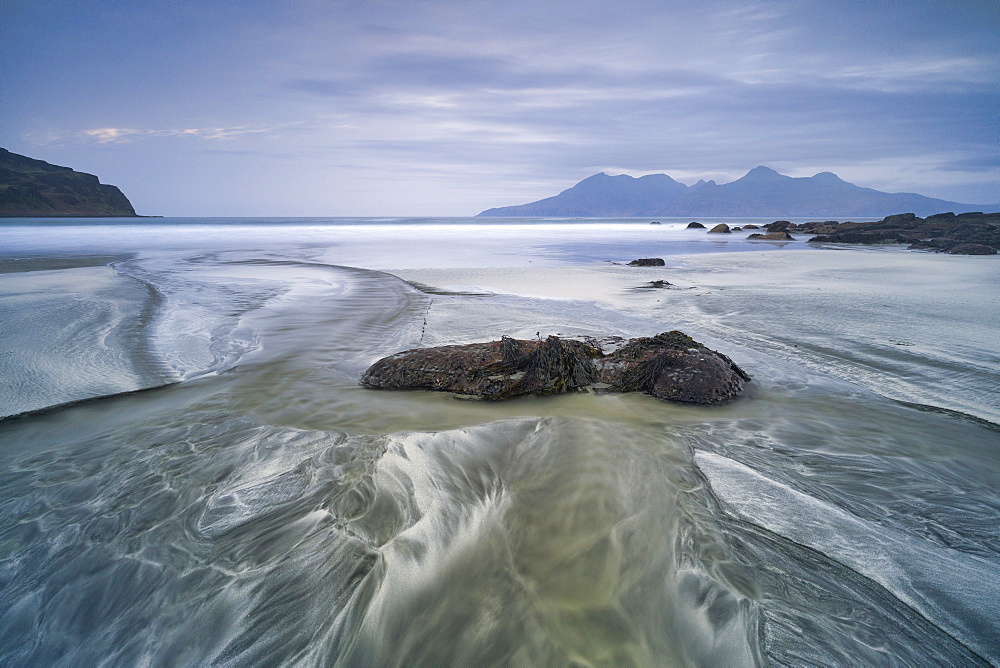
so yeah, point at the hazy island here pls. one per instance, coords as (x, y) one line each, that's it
(761, 192)
(32, 188)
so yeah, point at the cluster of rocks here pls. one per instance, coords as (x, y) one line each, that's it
(670, 366)
(776, 231)
(963, 234)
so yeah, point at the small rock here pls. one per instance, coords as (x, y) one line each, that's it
(653, 285)
(647, 262)
(773, 236)
(695, 226)
(751, 226)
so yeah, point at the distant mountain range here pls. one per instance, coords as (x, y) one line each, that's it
(762, 192)
(33, 188)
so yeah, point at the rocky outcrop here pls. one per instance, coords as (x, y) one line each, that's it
(825, 227)
(34, 188)
(669, 366)
(721, 228)
(647, 262)
(972, 249)
(940, 232)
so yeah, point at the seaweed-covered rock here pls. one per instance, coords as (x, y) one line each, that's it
(668, 366)
(647, 262)
(721, 228)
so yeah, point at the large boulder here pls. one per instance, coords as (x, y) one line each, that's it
(694, 225)
(669, 366)
(721, 228)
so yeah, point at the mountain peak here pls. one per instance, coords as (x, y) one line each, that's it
(827, 177)
(761, 172)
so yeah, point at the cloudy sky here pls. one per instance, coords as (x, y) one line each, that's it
(448, 107)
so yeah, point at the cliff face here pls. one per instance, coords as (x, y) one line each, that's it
(34, 188)
(761, 192)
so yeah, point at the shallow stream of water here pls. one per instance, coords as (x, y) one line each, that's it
(223, 492)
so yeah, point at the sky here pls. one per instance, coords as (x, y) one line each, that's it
(450, 107)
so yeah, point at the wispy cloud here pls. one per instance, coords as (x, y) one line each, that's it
(124, 135)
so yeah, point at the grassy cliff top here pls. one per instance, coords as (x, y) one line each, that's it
(35, 188)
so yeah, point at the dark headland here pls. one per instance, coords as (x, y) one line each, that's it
(761, 192)
(32, 188)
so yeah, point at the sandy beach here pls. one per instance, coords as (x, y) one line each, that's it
(227, 469)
